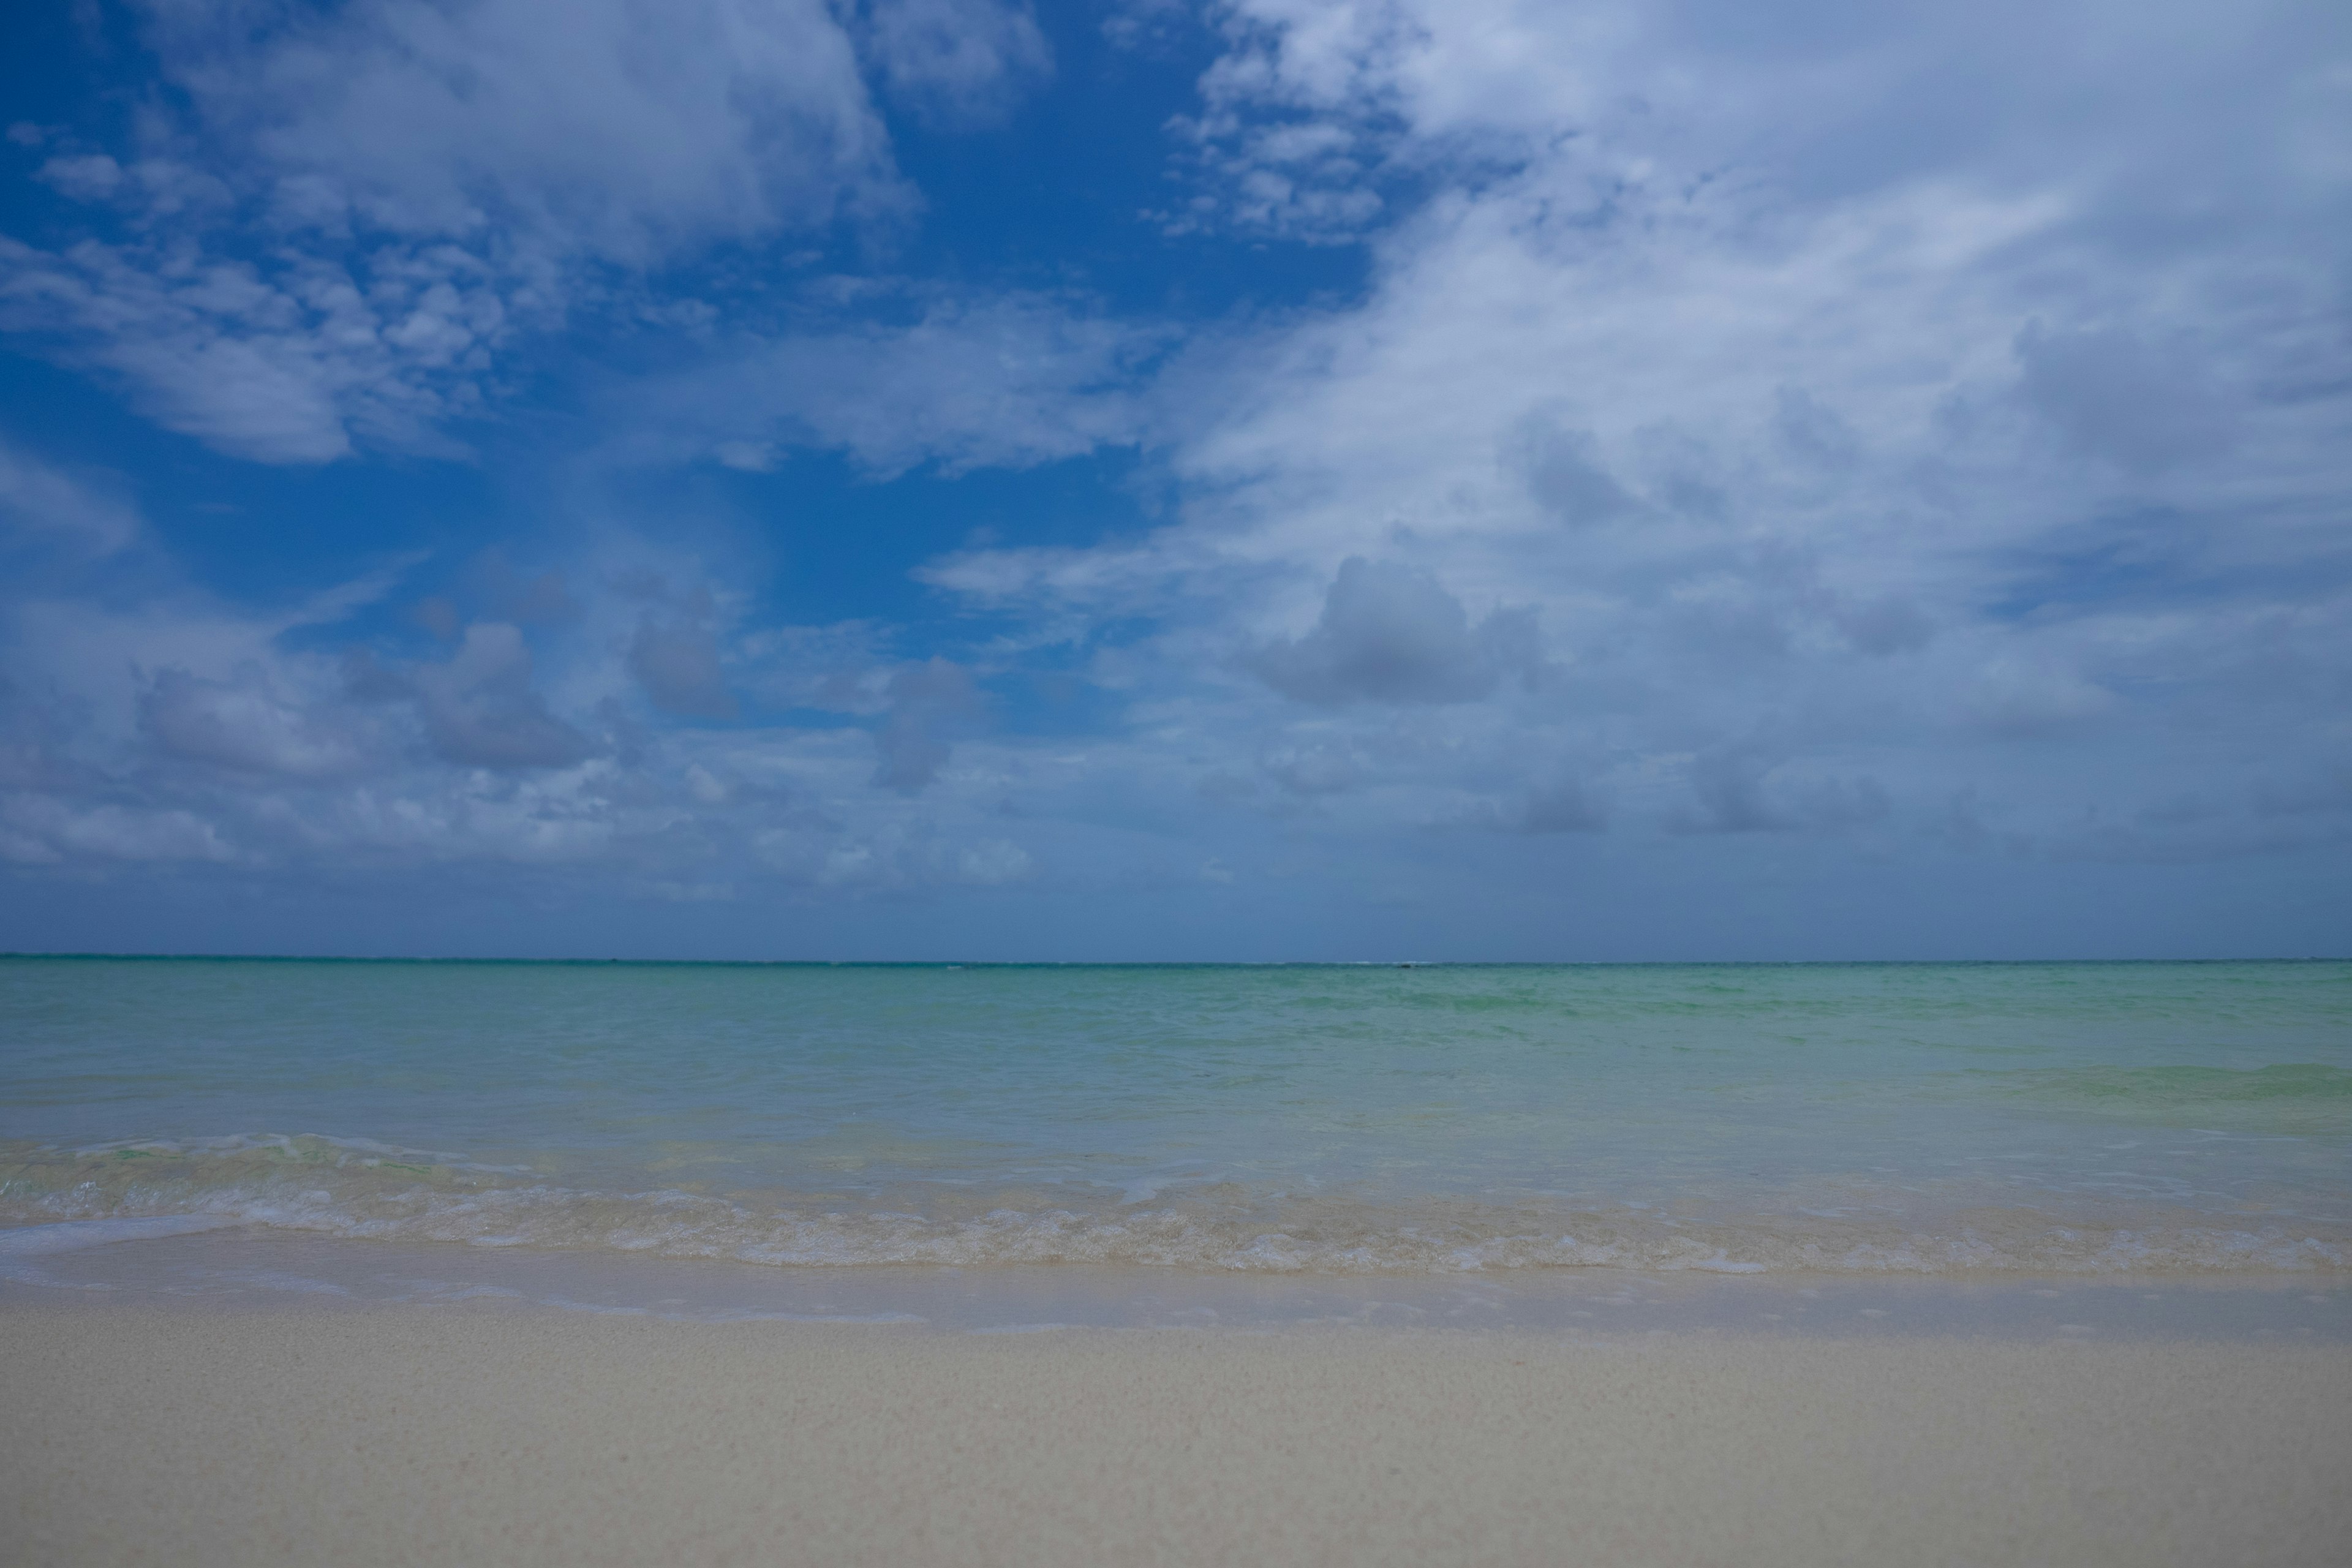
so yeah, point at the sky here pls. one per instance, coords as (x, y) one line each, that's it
(1261, 479)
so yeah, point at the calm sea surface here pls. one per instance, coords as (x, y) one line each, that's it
(1930, 1118)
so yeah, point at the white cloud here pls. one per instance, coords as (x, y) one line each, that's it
(480, 707)
(1739, 448)
(286, 362)
(2019, 699)
(37, 500)
(122, 833)
(87, 177)
(368, 205)
(928, 702)
(1782, 440)
(678, 664)
(615, 129)
(143, 721)
(1391, 634)
(1010, 381)
(246, 724)
(962, 61)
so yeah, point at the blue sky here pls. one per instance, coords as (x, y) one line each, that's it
(1280, 479)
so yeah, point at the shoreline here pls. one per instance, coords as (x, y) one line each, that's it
(189, 1260)
(222, 1431)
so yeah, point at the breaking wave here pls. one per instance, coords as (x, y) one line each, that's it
(356, 1189)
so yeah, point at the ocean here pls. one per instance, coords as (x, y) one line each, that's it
(1978, 1120)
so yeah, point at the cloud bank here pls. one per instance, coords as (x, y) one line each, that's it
(1659, 479)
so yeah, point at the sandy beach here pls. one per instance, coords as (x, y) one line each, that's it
(491, 1433)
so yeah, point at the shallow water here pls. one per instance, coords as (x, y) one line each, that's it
(2097, 1119)
(189, 1261)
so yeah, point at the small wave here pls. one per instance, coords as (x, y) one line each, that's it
(73, 1236)
(346, 1189)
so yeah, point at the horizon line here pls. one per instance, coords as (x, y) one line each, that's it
(1137, 962)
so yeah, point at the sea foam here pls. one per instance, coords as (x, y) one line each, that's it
(316, 1185)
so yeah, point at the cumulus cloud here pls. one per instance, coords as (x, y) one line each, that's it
(928, 702)
(1564, 474)
(1745, 786)
(90, 177)
(677, 665)
(1297, 125)
(245, 725)
(479, 708)
(369, 205)
(962, 61)
(1761, 430)
(1390, 633)
(46, 830)
(1565, 806)
(2025, 700)
(171, 731)
(1879, 471)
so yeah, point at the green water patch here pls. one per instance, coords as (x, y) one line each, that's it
(2303, 1099)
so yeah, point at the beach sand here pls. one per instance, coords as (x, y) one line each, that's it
(496, 1434)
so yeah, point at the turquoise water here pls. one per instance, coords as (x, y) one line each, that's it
(2092, 1117)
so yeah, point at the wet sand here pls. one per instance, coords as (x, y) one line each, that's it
(491, 1433)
